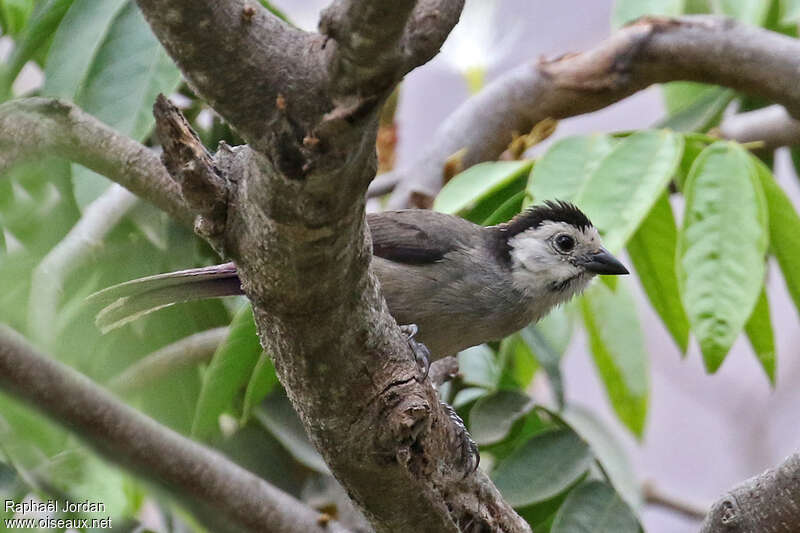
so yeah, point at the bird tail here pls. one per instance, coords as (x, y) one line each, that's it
(128, 301)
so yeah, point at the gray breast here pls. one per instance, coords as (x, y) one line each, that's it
(453, 310)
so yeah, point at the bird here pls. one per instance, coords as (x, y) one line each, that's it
(451, 283)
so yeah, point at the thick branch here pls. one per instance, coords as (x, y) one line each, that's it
(771, 125)
(767, 503)
(240, 58)
(367, 36)
(36, 126)
(377, 43)
(133, 440)
(652, 50)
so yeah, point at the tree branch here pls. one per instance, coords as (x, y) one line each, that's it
(240, 500)
(771, 125)
(652, 50)
(35, 126)
(653, 495)
(768, 503)
(241, 58)
(379, 42)
(368, 41)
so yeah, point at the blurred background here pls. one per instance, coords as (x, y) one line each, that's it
(704, 433)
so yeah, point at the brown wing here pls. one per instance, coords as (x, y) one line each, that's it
(417, 236)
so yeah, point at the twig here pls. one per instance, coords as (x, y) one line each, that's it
(34, 126)
(213, 484)
(653, 495)
(186, 352)
(771, 125)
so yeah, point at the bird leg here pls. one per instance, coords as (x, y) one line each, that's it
(470, 458)
(422, 356)
(467, 449)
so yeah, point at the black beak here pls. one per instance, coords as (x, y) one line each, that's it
(602, 262)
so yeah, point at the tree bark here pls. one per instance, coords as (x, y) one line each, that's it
(767, 503)
(651, 50)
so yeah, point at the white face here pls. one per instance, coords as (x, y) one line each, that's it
(543, 259)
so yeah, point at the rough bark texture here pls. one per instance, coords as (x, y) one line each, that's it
(36, 126)
(294, 225)
(225, 495)
(652, 50)
(767, 503)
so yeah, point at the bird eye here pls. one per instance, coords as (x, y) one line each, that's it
(564, 243)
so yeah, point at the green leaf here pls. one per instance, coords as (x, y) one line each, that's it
(762, 339)
(275, 11)
(540, 515)
(702, 113)
(693, 146)
(547, 340)
(563, 170)
(628, 181)
(492, 416)
(229, 371)
(749, 11)
(594, 506)
(75, 44)
(617, 345)
(542, 467)
(128, 71)
(14, 14)
(43, 22)
(784, 230)
(790, 11)
(652, 251)
(678, 95)
(279, 418)
(468, 395)
(721, 248)
(262, 382)
(517, 362)
(626, 11)
(607, 448)
(478, 182)
(477, 366)
(36, 204)
(506, 211)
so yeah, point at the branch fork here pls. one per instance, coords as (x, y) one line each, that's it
(203, 185)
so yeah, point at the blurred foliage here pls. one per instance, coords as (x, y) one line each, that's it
(558, 463)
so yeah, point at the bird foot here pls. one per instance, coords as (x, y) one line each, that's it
(422, 356)
(469, 457)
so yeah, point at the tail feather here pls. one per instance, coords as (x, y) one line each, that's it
(128, 301)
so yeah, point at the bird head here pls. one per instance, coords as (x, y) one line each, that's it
(554, 248)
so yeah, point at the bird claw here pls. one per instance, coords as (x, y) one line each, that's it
(422, 356)
(470, 458)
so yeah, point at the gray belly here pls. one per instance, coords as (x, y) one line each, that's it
(452, 314)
